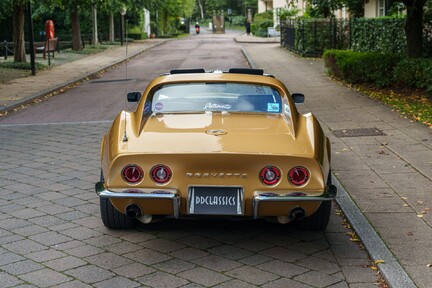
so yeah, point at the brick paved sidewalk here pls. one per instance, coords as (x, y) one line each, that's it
(389, 177)
(19, 90)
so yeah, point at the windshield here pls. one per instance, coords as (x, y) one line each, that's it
(201, 97)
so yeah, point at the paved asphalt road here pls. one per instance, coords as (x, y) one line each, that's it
(50, 228)
(97, 100)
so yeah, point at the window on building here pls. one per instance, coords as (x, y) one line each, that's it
(381, 8)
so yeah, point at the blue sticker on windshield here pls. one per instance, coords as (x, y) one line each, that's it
(272, 107)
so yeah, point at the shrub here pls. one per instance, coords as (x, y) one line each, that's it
(361, 67)
(21, 65)
(238, 20)
(261, 22)
(138, 36)
(415, 73)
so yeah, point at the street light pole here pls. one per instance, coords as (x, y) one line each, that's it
(31, 36)
(122, 13)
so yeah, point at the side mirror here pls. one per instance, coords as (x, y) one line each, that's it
(133, 96)
(298, 98)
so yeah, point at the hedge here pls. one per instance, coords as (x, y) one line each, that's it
(21, 65)
(361, 67)
(384, 34)
(415, 73)
(138, 36)
(381, 69)
(261, 22)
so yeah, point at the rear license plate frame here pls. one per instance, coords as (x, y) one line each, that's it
(216, 200)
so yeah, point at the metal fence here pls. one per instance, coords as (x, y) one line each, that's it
(6, 48)
(311, 37)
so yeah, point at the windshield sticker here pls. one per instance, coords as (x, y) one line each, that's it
(214, 106)
(272, 107)
(158, 106)
(147, 108)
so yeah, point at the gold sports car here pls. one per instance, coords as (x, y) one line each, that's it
(216, 144)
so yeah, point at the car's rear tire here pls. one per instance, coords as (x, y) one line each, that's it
(113, 219)
(320, 219)
(317, 221)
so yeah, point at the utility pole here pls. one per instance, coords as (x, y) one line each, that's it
(31, 36)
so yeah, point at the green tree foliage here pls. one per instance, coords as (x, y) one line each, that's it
(5, 9)
(289, 13)
(324, 8)
(355, 7)
(238, 7)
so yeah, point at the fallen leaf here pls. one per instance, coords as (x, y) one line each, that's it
(410, 233)
(404, 198)
(419, 202)
(405, 205)
(379, 261)
(429, 265)
(420, 216)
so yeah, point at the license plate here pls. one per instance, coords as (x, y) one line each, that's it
(215, 201)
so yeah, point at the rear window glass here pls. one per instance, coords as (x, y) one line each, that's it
(201, 97)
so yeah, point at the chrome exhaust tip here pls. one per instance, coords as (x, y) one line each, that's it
(133, 211)
(297, 213)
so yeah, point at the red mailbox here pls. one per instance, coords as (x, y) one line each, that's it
(49, 29)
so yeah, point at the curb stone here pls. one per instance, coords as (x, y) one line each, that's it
(390, 269)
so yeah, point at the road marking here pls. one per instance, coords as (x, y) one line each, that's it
(59, 123)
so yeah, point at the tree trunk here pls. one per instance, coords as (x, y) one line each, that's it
(414, 27)
(201, 9)
(76, 30)
(95, 40)
(111, 28)
(18, 31)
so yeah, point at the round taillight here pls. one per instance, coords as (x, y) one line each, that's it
(161, 174)
(132, 173)
(298, 176)
(270, 175)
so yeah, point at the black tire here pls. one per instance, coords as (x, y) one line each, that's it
(320, 219)
(113, 219)
(317, 221)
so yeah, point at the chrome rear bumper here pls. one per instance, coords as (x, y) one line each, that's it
(261, 196)
(168, 194)
(172, 194)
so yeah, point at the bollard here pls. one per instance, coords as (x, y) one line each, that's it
(49, 53)
(5, 50)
